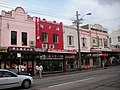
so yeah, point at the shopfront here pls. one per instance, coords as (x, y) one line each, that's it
(96, 57)
(11, 59)
(71, 62)
(51, 62)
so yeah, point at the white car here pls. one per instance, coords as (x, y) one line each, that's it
(9, 79)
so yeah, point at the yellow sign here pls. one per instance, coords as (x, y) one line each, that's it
(3, 49)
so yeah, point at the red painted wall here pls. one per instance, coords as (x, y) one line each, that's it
(50, 32)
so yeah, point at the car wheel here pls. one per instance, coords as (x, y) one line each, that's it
(26, 84)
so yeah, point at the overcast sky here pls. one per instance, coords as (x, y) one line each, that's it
(104, 12)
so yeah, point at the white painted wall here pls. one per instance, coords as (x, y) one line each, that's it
(70, 30)
(114, 37)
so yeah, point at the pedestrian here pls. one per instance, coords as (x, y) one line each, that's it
(40, 67)
(37, 69)
(103, 63)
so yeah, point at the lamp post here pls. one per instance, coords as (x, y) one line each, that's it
(77, 21)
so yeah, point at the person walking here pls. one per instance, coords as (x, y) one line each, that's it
(40, 68)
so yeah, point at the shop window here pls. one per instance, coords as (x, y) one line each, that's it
(70, 40)
(44, 37)
(24, 38)
(13, 38)
(55, 38)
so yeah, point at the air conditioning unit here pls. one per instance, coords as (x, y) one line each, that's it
(51, 46)
(32, 43)
(44, 46)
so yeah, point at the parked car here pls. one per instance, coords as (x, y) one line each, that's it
(9, 79)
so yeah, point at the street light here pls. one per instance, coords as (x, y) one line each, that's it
(77, 21)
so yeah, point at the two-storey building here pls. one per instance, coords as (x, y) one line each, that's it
(17, 35)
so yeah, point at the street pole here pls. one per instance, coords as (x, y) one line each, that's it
(77, 21)
(78, 34)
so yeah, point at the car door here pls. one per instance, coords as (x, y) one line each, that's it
(2, 81)
(9, 80)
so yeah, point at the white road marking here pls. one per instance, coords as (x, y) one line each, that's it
(70, 82)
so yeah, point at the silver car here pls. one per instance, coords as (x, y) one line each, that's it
(9, 79)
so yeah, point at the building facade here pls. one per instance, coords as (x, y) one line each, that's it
(99, 44)
(115, 44)
(17, 37)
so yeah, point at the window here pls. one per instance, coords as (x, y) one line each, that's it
(24, 38)
(44, 37)
(8, 74)
(105, 43)
(100, 42)
(118, 38)
(94, 41)
(55, 38)
(110, 40)
(57, 28)
(41, 26)
(70, 40)
(84, 42)
(13, 38)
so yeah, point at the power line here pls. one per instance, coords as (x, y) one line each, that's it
(40, 12)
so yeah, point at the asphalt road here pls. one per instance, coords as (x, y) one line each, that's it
(101, 79)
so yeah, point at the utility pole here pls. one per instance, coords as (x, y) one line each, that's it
(78, 33)
(77, 21)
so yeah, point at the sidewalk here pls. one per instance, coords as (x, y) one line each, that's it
(66, 73)
(73, 72)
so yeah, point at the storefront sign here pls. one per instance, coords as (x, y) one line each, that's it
(83, 32)
(96, 55)
(96, 51)
(3, 49)
(20, 49)
(115, 50)
(104, 54)
(62, 51)
(51, 57)
(40, 50)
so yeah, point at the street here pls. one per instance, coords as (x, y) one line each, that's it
(101, 79)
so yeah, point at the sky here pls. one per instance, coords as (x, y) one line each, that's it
(104, 12)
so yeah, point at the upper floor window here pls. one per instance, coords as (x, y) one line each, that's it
(100, 42)
(110, 40)
(13, 38)
(24, 38)
(84, 42)
(70, 40)
(58, 28)
(55, 38)
(105, 43)
(44, 37)
(41, 26)
(94, 41)
(50, 27)
(118, 38)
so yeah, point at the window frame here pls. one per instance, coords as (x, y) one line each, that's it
(84, 42)
(70, 41)
(24, 40)
(44, 37)
(13, 37)
(55, 38)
